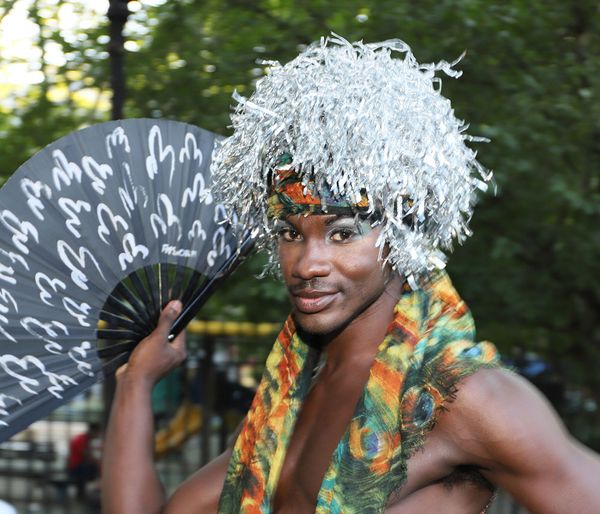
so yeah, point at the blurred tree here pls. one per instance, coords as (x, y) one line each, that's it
(531, 84)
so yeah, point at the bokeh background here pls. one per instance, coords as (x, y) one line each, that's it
(530, 83)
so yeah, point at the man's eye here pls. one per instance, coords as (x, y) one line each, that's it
(342, 234)
(288, 234)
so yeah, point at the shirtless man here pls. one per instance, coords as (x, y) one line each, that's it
(405, 413)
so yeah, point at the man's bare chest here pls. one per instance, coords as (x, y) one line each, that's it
(325, 415)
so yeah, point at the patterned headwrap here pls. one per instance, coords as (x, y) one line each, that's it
(290, 196)
(357, 120)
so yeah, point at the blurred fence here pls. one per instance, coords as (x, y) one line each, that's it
(196, 408)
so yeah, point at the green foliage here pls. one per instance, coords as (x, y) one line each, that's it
(531, 84)
(55, 106)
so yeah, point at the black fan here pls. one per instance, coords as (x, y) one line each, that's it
(98, 232)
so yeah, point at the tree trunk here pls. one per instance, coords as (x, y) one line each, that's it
(117, 14)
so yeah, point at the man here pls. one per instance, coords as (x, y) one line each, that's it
(83, 464)
(352, 170)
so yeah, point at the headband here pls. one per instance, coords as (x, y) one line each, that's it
(289, 196)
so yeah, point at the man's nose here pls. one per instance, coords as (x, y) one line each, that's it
(313, 261)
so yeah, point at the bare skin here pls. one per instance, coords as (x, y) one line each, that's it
(498, 427)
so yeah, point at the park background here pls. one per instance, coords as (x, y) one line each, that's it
(530, 83)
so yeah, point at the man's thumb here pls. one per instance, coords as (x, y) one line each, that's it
(168, 317)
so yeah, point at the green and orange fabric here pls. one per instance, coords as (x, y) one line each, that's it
(428, 349)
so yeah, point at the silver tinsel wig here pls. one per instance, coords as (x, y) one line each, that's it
(358, 118)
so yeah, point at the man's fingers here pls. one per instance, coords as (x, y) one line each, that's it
(168, 317)
(179, 341)
(179, 344)
(121, 369)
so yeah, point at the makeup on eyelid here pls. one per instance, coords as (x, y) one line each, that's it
(357, 227)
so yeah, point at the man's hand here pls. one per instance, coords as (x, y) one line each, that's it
(155, 356)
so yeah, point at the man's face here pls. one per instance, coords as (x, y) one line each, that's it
(331, 269)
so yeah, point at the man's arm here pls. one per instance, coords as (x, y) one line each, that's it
(130, 484)
(502, 424)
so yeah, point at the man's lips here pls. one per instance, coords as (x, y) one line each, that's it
(312, 301)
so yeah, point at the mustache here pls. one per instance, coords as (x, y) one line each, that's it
(315, 284)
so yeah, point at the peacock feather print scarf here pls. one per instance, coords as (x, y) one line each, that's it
(428, 348)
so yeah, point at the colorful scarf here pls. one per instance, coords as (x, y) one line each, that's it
(428, 348)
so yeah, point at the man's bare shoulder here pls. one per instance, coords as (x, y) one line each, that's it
(504, 426)
(498, 417)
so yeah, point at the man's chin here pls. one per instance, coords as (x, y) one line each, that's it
(318, 328)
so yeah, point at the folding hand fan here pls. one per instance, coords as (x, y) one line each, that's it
(98, 232)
